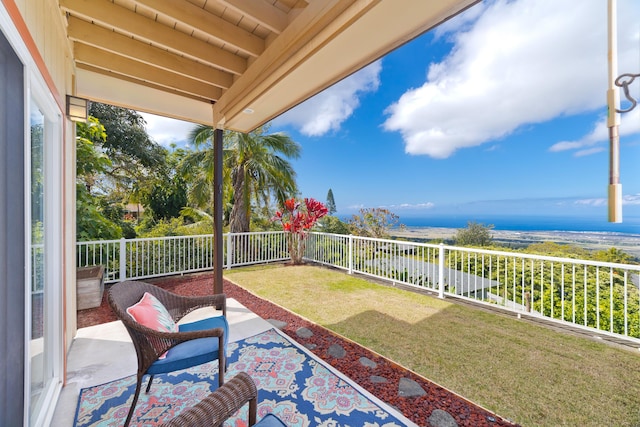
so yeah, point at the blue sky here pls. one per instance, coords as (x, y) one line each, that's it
(499, 111)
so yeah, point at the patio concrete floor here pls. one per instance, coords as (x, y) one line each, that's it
(104, 353)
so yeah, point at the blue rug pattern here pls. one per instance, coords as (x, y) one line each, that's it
(293, 385)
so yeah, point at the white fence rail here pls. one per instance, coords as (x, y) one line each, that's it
(587, 294)
(254, 248)
(162, 256)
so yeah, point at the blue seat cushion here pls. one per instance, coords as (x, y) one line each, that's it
(194, 352)
(270, 420)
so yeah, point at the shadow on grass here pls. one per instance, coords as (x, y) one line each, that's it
(524, 372)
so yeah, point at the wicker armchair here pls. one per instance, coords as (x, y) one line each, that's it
(223, 403)
(194, 344)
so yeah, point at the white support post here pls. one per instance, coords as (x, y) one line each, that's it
(123, 259)
(441, 272)
(350, 254)
(229, 251)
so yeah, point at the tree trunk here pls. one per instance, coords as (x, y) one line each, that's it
(239, 220)
(296, 248)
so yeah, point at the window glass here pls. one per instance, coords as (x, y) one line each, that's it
(40, 372)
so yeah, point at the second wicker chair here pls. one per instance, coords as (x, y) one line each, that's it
(223, 403)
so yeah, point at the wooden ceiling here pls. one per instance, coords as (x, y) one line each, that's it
(233, 63)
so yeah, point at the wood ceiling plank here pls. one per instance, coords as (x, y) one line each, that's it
(291, 47)
(123, 78)
(94, 35)
(208, 23)
(119, 64)
(129, 22)
(260, 11)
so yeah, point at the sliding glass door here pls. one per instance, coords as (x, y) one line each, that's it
(40, 372)
(31, 231)
(44, 299)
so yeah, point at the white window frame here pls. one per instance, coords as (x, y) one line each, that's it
(36, 88)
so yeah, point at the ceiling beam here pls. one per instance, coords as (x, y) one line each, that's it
(109, 88)
(108, 61)
(314, 27)
(121, 79)
(129, 22)
(260, 11)
(93, 35)
(222, 31)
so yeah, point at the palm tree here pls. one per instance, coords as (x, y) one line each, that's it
(256, 168)
(197, 168)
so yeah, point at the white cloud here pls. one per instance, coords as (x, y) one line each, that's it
(629, 125)
(627, 199)
(519, 62)
(460, 22)
(591, 202)
(397, 207)
(631, 199)
(356, 207)
(589, 151)
(329, 109)
(166, 131)
(411, 206)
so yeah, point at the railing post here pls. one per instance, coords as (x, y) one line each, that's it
(229, 251)
(441, 272)
(350, 253)
(123, 259)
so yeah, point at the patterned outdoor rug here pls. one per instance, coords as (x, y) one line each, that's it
(294, 385)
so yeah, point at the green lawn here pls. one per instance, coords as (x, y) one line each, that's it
(527, 373)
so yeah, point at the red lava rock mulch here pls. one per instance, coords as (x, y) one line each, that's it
(418, 409)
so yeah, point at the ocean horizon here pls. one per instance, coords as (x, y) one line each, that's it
(630, 225)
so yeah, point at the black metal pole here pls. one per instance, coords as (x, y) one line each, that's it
(217, 211)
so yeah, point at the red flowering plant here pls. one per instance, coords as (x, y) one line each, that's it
(297, 219)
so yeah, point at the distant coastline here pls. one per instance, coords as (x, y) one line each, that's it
(591, 240)
(524, 223)
(529, 223)
(517, 231)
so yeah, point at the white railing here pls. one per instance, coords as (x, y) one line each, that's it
(587, 294)
(129, 259)
(255, 248)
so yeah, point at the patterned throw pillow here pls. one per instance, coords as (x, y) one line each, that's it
(151, 313)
